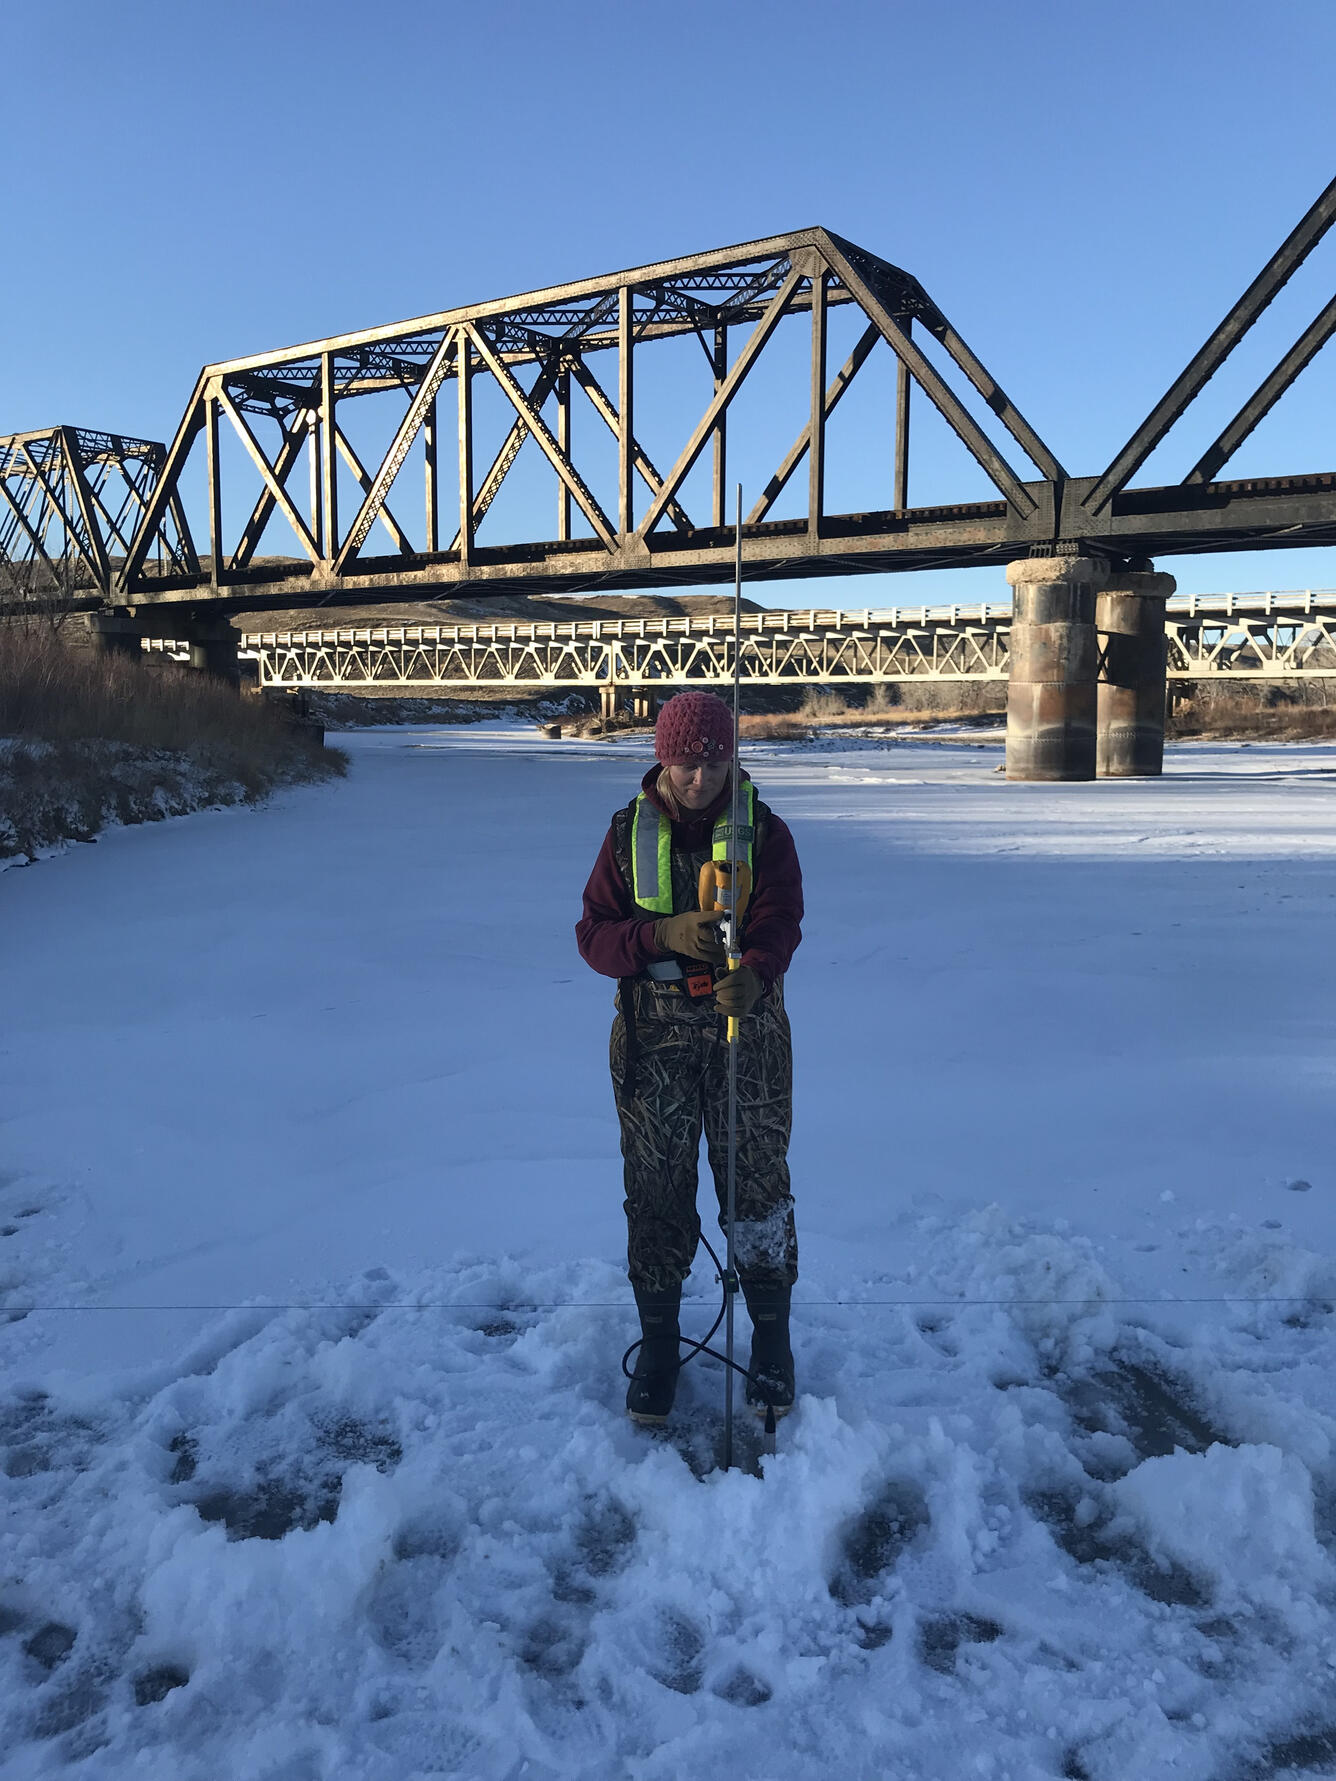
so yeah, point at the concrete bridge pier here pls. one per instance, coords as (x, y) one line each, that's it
(213, 649)
(1051, 692)
(1129, 622)
(640, 701)
(213, 641)
(114, 633)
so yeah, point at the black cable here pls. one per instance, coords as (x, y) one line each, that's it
(703, 1347)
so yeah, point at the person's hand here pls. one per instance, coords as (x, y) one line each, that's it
(738, 993)
(695, 935)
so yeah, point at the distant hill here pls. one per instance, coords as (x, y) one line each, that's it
(491, 607)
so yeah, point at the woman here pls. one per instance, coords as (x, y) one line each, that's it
(642, 924)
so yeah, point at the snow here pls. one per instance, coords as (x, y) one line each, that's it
(312, 1456)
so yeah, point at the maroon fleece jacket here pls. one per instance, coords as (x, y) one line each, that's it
(616, 937)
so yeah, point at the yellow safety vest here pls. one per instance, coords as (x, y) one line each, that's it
(652, 848)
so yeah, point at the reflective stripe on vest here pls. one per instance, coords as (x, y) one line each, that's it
(652, 858)
(652, 849)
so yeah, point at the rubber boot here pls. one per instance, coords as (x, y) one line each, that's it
(649, 1397)
(771, 1364)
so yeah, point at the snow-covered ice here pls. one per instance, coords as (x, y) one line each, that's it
(313, 1458)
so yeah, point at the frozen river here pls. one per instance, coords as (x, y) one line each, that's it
(1056, 1498)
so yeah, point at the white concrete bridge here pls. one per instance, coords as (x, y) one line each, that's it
(1275, 635)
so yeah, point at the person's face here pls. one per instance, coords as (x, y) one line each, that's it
(698, 786)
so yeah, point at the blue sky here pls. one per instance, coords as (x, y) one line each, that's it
(1083, 190)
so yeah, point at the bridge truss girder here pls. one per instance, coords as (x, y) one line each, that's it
(71, 503)
(537, 348)
(536, 352)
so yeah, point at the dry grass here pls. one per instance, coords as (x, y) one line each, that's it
(1298, 724)
(93, 738)
(823, 708)
(1290, 713)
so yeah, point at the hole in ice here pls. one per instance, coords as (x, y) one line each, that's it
(156, 1684)
(51, 1644)
(873, 1541)
(1073, 1769)
(271, 1508)
(941, 1638)
(741, 1689)
(9, 1230)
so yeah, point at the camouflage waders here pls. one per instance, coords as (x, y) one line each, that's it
(679, 1087)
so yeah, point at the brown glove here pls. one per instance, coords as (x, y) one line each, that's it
(738, 993)
(695, 935)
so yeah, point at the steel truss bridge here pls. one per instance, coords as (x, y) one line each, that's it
(633, 521)
(71, 503)
(1258, 636)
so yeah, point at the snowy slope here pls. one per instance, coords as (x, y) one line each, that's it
(1058, 1496)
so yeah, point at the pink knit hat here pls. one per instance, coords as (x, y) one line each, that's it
(694, 729)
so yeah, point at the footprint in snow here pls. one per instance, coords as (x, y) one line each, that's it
(1136, 1406)
(941, 1637)
(740, 1688)
(295, 1474)
(870, 1546)
(668, 1646)
(1308, 1751)
(553, 1644)
(1087, 1528)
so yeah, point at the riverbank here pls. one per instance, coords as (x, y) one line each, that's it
(88, 740)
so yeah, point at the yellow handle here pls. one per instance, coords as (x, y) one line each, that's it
(716, 892)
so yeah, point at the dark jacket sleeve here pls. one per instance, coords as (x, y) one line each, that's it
(614, 936)
(773, 925)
